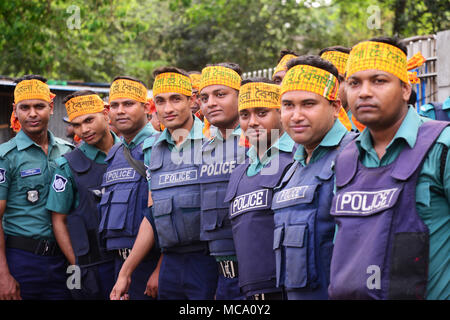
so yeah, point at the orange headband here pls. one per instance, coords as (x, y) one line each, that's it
(282, 65)
(172, 82)
(81, 105)
(312, 79)
(337, 58)
(32, 89)
(259, 95)
(220, 75)
(370, 55)
(124, 88)
(195, 80)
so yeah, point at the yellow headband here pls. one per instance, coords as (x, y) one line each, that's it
(172, 82)
(337, 58)
(282, 65)
(32, 89)
(312, 79)
(220, 75)
(81, 105)
(259, 95)
(128, 89)
(195, 80)
(370, 55)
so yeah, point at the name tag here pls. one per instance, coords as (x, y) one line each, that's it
(177, 177)
(291, 194)
(30, 172)
(365, 202)
(120, 174)
(250, 201)
(217, 168)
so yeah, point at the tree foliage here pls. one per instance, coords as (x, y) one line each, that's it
(133, 37)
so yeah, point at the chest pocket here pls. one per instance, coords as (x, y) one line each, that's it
(33, 186)
(214, 209)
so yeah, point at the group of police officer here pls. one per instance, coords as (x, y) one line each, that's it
(323, 183)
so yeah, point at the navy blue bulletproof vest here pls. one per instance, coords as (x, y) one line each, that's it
(304, 228)
(83, 221)
(124, 200)
(219, 160)
(175, 190)
(250, 200)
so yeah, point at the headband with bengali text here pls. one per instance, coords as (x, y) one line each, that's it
(214, 75)
(32, 89)
(259, 95)
(371, 55)
(81, 105)
(338, 59)
(282, 65)
(172, 82)
(195, 80)
(128, 89)
(308, 78)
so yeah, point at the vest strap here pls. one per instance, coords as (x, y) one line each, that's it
(78, 161)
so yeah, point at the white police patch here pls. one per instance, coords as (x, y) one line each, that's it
(2, 175)
(59, 184)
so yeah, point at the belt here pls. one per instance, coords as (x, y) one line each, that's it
(267, 296)
(36, 246)
(228, 268)
(123, 253)
(89, 258)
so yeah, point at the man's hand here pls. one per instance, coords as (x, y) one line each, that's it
(120, 290)
(9, 288)
(152, 285)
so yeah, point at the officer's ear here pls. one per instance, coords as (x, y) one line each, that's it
(337, 105)
(51, 105)
(146, 107)
(406, 91)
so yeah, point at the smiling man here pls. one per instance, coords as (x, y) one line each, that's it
(76, 191)
(28, 249)
(393, 187)
(304, 228)
(124, 200)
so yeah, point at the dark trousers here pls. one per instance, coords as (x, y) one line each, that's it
(39, 277)
(228, 289)
(97, 282)
(187, 276)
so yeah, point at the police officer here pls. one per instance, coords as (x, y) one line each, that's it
(281, 68)
(392, 199)
(28, 249)
(251, 184)
(219, 93)
(436, 110)
(125, 195)
(187, 271)
(76, 191)
(304, 229)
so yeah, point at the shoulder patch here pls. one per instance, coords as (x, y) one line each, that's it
(2, 175)
(59, 184)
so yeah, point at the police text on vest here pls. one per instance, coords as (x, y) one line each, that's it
(365, 202)
(252, 200)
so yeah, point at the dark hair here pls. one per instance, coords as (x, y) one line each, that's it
(251, 80)
(78, 94)
(161, 70)
(31, 77)
(396, 42)
(413, 97)
(230, 65)
(284, 52)
(129, 78)
(335, 48)
(314, 61)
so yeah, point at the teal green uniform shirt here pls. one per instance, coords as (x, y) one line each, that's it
(329, 142)
(64, 201)
(25, 175)
(427, 110)
(432, 195)
(284, 143)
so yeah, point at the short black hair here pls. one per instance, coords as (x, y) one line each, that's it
(161, 70)
(413, 97)
(314, 61)
(230, 65)
(78, 94)
(129, 78)
(257, 79)
(335, 48)
(31, 77)
(284, 52)
(393, 41)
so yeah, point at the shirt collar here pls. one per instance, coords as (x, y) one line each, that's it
(284, 143)
(196, 133)
(236, 132)
(92, 152)
(145, 132)
(331, 139)
(406, 132)
(23, 141)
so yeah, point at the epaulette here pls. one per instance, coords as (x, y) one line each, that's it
(7, 147)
